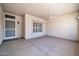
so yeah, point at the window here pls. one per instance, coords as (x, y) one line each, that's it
(37, 27)
(9, 16)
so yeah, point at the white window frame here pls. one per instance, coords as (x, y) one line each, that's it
(37, 28)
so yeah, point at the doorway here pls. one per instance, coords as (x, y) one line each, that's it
(10, 31)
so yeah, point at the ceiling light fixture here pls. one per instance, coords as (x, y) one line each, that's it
(78, 17)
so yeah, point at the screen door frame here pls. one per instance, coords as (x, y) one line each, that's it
(6, 38)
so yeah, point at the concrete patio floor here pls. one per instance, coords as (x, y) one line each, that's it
(42, 46)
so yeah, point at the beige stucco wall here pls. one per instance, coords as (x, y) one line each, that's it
(1, 25)
(19, 26)
(65, 26)
(23, 26)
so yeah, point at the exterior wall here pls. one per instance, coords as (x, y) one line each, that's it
(23, 26)
(65, 26)
(19, 26)
(29, 29)
(1, 25)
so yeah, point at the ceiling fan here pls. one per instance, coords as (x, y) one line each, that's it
(52, 17)
(78, 15)
(51, 14)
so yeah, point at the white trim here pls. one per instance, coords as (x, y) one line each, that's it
(10, 19)
(7, 38)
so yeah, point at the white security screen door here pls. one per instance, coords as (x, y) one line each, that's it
(9, 29)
